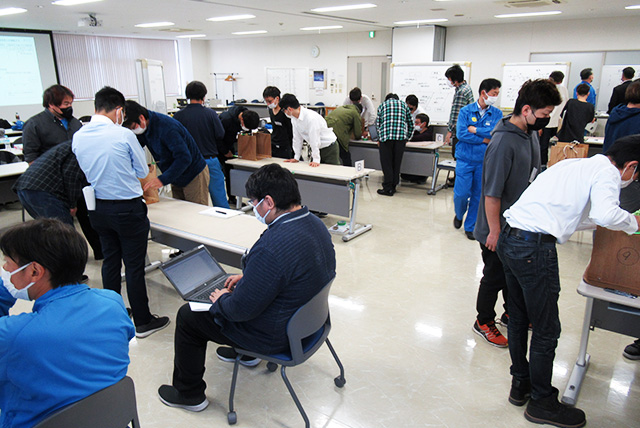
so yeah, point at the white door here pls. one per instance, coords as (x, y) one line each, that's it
(371, 74)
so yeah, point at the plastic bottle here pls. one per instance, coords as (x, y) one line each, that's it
(5, 141)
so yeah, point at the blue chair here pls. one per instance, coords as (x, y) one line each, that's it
(307, 329)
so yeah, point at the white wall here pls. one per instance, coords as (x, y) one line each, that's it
(411, 44)
(250, 56)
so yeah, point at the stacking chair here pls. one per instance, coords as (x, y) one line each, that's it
(307, 330)
(112, 407)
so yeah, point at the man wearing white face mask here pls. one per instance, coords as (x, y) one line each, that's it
(474, 126)
(290, 263)
(73, 343)
(282, 131)
(575, 194)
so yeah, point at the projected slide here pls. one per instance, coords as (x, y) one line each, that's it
(20, 81)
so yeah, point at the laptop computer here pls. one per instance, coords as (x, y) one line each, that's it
(195, 274)
(373, 132)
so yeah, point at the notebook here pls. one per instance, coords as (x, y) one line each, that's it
(195, 274)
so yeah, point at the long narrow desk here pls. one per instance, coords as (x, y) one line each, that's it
(328, 188)
(179, 224)
(420, 158)
(605, 310)
(9, 174)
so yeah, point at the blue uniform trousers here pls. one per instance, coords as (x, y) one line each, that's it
(467, 191)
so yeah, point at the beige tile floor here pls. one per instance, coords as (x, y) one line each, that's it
(402, 308)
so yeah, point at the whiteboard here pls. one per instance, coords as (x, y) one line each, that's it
(610, 78)
(290, 81)
(428, 83)
(151, 89)
(515, 74)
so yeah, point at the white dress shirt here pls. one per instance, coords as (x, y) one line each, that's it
(312, 128)
(574, 194)
(369, 111)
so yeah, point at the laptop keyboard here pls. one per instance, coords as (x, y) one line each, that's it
(203, 296)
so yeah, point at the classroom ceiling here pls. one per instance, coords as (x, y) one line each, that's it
(286, 17)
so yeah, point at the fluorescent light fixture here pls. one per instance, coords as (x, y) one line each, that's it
(11, 11)
(155, 24)
(191, 36)
(345, 7)
(244, 33)
(636, 6)
(526, 15)
(230, 18)
(421, 21)
(72, 2)
(326, 27)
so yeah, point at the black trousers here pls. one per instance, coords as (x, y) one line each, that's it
(391, 152)
(85, 224)
(547, 134)
(345, 156)
(281, 150)
(492, 283)
(123, 227)
(193, 331)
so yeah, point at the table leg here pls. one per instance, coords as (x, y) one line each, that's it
(355, 229)
(572, 390)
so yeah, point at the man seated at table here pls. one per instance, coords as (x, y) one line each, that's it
(290, 263)
(75, 341)
(422, 132)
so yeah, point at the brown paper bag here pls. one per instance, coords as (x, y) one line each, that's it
(562, 151)
(615, 261)
(150, 196)
(263, 145)
(247, 147)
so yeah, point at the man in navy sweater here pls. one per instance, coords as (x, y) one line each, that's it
(290, 263)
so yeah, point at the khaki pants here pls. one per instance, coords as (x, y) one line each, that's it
(196, 191)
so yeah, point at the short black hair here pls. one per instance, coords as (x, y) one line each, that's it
(108, 99)
(632, 94)
(628, 72)
(132, 112)
(270, 92)
(489, 84)
(412, 100)
(586, 73)
(54, 95)
(195, 90)
(423, 118)
(277, 182)
(391, 95)
(251, 119)
(455, 73)
(358, 107)
(625, 149)
(539, 93)
(355, 94)
(583, 89)
(557, 76)
(58, 247)
(288, 100)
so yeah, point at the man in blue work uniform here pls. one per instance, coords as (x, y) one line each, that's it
(474, 126)
(587, 77)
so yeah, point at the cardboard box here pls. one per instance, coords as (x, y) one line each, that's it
(247, 147)
(263, 145)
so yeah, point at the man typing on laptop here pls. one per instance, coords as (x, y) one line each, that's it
(290, 263)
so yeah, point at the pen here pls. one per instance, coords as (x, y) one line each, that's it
(221, 212)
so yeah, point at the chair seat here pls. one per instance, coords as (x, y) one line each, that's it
(447, 164)
(285, 357)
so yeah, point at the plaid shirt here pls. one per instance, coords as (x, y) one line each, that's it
(394, 121)
(462, 97)
(56, 172)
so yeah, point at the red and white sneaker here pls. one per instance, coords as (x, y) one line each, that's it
(491, 334)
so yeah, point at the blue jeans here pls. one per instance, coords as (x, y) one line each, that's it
(44, 204)
(531, 272)
(466, 192)
(216, 184)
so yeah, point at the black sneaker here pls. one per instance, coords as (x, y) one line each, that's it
(173, 398)
(84, 279)
(503, 320)
(156, 323)
(520, 391)
(457, 223)
(384, 192)
(469, 235)
(549, 410)
(632, 351)
(229, 355)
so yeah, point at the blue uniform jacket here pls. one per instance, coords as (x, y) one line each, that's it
(470, 147)
(591, 98)
(74, 343)
(173, 148)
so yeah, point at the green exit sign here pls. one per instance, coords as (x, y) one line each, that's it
(372, 34)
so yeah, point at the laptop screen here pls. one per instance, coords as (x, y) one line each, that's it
(192, 270)
(373, 132)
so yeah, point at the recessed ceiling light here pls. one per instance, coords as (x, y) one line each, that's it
(72, 2)
(326, 27)
(244, 33)
(230, 18)
(421, 21)
(11, 11)
(637, 6)
(526, 15)
(155, 24)
(345, 7)
(191, 36)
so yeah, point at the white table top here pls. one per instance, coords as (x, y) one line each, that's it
(587, 290)
(182, 219)
(10, 169)
(427, 145)
(335, 172)
(10, 132)
(596, 141)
